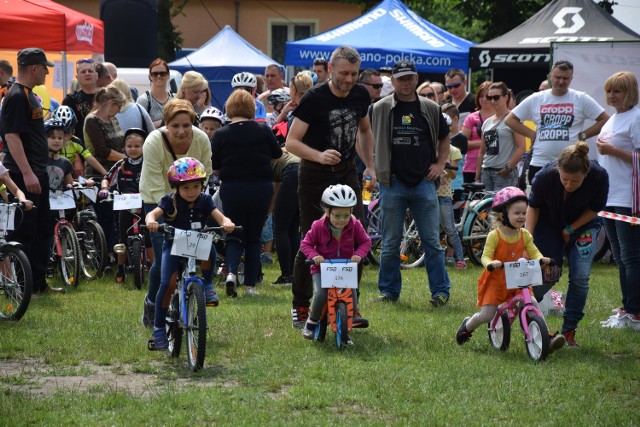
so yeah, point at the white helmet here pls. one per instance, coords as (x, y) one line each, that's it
(339, 196)
(244, 79)
(278, 96)
(213, 113)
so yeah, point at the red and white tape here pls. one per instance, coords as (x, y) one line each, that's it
(618, 217)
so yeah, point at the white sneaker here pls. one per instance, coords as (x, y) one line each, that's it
(232, 285)
(617, 321)
(251, 291)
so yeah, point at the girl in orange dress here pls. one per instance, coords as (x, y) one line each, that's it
(507, 242)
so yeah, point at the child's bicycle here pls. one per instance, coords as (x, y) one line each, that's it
(535, 329)
(134, 247)
(339, 310)
(16, 279)
(187, 308)
(65, 250)
(91, 238)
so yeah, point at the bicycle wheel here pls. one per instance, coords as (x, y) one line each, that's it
(342, 336)
(602, 245)
(70, 256)
(196, 326)
(476, 230)
(411, 252)
(173, 328)
(500, 337)
(137, 261)
(538, 346)
(374, 230)
(321, 330)
(94, 250)
(16, 282)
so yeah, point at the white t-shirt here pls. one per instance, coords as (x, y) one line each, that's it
(558, 119)
(623, 131)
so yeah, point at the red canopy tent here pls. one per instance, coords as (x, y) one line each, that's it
(50, 26)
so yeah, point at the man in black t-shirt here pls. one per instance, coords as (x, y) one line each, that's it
(323, 134)
(411, 140)
(26, 152)
(81, 101)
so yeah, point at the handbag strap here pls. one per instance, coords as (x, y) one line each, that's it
(167, 144)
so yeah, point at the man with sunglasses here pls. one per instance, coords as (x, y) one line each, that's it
(411, 140)
(81, 101)
(320, 68)
(323, 134)
(372, 81)
(456, 83)
(559, 114)
(26, 153)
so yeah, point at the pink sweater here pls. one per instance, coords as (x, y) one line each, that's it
(319, 241)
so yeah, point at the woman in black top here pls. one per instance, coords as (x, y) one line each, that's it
(242, 153)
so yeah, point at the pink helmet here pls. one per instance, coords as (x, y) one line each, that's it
(186, 169)
(507, 196)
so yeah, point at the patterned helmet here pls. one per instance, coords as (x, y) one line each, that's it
(65, 114)
(278, 96)
(244, 79)
(186, 169)
(213, 113)
(339, 196)
(506, 196)
(53, 124)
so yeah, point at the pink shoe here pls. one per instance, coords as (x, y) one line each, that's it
(461, 265)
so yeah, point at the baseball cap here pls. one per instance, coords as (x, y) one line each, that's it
(403, 68)
(33, 56)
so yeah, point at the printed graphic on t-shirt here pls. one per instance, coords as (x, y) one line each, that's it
(406, 133)
(56, 177)
(492, 142)
(555, 121)
(343, 126)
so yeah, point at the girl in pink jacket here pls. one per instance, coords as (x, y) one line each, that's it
(338, 234)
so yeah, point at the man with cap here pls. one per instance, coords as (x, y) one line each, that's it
(27, 150)
(411, 142)
(323, 134)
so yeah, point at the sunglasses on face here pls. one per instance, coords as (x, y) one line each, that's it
(159, 73)
(84, 61)
(429, 95)
(374, 85)
(453, 85)
(319, 61)
(494, 97)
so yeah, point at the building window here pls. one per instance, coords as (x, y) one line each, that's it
(282, 32)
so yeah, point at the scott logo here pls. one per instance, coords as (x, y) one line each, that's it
(576, 20)
(485, 58)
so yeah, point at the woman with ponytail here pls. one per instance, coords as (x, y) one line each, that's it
(565, 199)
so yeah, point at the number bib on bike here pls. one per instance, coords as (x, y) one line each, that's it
(191, 244)
(7, 218)
(123, 202)
(339, 275)
(523, 273)
(61, 200)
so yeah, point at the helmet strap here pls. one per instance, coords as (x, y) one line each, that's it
(505, 219)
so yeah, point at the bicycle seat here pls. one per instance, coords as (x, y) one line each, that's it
(474, 186)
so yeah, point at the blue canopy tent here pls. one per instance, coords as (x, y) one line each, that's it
(388, 33)
(219, 59)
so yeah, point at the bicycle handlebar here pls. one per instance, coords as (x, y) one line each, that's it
(490, 267)
(363, 261)
(170, 230)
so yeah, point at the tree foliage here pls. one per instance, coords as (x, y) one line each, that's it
(169, 38)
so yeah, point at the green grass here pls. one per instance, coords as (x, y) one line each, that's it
(406, 369)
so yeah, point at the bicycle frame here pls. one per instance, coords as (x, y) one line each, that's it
(518, 307)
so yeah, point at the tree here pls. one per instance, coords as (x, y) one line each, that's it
(607, 5)
(169, 38)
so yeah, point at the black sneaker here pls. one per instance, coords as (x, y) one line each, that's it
(232, 285)
(283, 281)
(359, 321)
(148, 313)
(438, 300)
(557, 342)
(462, 336)
(383, 298)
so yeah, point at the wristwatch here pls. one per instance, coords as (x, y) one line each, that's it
(582, 136)
(508, 169)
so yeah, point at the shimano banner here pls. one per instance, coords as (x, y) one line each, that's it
(390, 32)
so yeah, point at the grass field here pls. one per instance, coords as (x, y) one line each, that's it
(81, 359)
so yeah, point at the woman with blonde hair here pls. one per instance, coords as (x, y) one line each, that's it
(178, 138)
(194, 88)
(619, 153)
(132, 114)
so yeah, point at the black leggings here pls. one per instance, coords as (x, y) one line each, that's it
(286, 220)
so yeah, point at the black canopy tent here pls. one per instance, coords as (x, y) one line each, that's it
(526, 48)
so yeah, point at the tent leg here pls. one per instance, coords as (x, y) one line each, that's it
(64, 73)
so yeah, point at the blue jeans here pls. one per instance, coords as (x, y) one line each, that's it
(493, 181)
(423, 203)
(447, 223)
(156, 244)
(168, 279)
(624, 239)
(580, 252)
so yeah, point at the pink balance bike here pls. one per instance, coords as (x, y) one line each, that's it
(532, 321)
